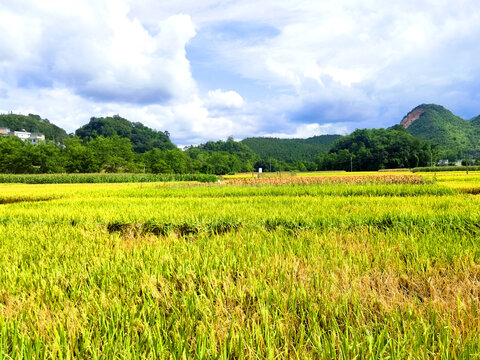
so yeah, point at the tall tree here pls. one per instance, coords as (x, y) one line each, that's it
(112, 154)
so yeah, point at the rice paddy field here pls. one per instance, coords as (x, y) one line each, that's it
(339, 266)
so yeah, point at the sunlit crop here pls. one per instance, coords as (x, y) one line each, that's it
(357, 266)
(101, 178)
(379, 178)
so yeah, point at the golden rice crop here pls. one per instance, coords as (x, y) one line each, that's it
(366, 266)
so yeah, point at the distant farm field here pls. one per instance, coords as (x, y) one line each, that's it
(363, 265)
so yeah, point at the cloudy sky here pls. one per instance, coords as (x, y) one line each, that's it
(208, 69)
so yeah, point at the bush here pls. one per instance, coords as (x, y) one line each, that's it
(445, 168)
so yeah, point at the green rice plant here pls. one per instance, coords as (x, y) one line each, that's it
(445, 168)
(102, 178)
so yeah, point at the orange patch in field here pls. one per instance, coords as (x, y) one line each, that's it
(348, 179)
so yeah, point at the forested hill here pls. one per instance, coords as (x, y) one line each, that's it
(33, 123)
(143, 138)
(476, 121)
(453, 134)
(291, 150)
(374, 149)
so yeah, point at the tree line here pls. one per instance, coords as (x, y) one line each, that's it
(362, 150)
(101, 154)
(375, 149)
(116, 154)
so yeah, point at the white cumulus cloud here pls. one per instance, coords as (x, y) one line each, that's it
(209, 69)
(96, 49)
(224, 99)
(309, 130)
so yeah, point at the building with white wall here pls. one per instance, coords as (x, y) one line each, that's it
(23, 135)
(34, 137)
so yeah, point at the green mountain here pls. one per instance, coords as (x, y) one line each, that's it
(33, 123)
(374, 149)
(232, 147)
(291, 150)
(143, 138)
(476, 121)
(222, 157)
(455, 136)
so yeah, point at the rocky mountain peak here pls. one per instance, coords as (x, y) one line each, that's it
(411, 117)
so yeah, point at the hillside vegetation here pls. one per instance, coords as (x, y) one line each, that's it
(374, 149)
(143, 138)
(291, 150)
(476, 121)
(33, 123)
(455, 136)
(223, 157)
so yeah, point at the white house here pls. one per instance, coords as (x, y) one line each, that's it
(23, 135)
(34, 137)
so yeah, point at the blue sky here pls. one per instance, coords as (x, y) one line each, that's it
(206, 70)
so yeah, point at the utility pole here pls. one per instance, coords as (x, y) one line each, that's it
(351, 163)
